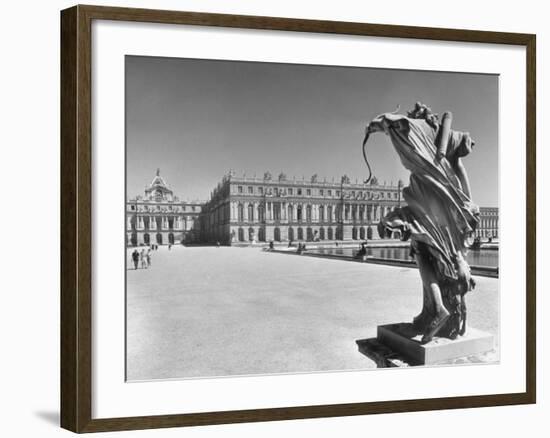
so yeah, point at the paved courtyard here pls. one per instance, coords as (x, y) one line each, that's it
(206, 311)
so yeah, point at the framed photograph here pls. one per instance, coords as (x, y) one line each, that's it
(269, 218)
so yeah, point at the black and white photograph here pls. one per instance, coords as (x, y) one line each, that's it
(267, 219)
(295, 218)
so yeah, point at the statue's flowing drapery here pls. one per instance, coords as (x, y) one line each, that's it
(439, 217)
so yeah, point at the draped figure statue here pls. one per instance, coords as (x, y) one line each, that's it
(439, 217)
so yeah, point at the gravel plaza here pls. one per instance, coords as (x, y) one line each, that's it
(207, 311)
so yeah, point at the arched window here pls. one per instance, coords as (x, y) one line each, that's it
(321, 233)
(290, 233)
(321, 213)
(250, 212)
(354, 233)
(329, 213)
(309, 234)
(330, 234)
(277, 234)
(241, 235)
(362, 233)
(299, 213)
(300, 233)
(240, 210)
(308, 213)
(261, 213)
(277, 211)
(291, 213)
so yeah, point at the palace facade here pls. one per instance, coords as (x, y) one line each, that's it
(488, 224)
(250, 209)
(160, 217)
(244, 210)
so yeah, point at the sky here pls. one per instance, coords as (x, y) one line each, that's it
(197, 119)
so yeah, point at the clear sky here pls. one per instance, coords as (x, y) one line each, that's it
(196, 119)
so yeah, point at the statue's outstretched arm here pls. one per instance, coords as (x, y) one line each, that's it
(379, 124)
(442, 140)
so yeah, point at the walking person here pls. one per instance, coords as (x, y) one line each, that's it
(135, 258)
(142, 259)
(148, 257)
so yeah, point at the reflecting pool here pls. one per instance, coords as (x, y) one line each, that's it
(483, 257)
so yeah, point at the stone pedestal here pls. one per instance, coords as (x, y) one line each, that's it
(402, 339)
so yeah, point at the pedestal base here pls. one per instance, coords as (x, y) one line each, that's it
(402, 339)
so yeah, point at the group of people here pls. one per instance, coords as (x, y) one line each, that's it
(142, 259)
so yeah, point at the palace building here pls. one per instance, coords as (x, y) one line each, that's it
(244, 210)
(488, 224)
(250, 209)
(160, 217)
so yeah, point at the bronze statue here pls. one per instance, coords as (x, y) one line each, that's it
(439, 218)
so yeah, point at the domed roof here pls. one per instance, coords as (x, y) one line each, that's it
(158, 181)
(158, 189)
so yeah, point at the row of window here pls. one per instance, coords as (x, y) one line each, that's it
(176, 209)
(243, 235)
(349, 213)
(291, 191)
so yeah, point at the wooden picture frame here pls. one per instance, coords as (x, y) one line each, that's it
(76, 218)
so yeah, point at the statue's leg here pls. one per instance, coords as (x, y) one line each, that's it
(463, 315)
(441, 314)
(421, 320)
